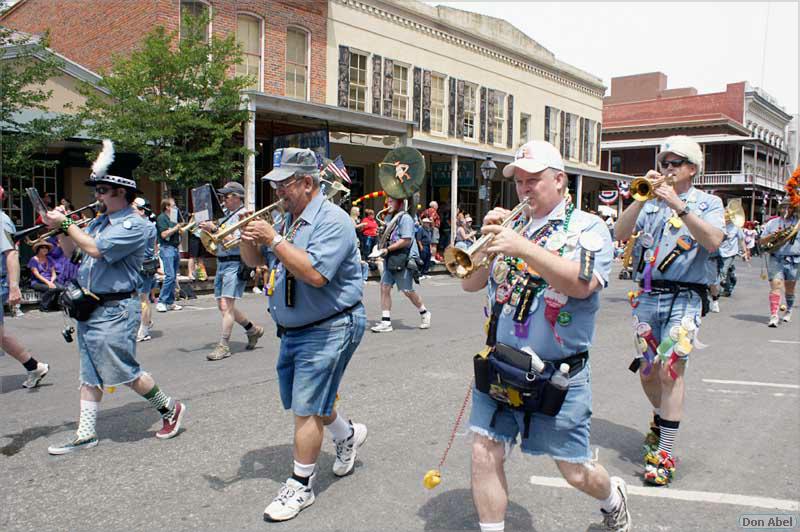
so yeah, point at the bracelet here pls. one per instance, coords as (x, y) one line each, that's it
(65, 225)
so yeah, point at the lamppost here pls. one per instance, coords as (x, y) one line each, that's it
(488, 169)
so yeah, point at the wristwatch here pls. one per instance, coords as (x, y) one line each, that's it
(277, 239)
(686, 210)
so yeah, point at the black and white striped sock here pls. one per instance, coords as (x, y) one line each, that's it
(669, 430)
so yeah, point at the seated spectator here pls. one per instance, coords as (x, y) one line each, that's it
(43, 270)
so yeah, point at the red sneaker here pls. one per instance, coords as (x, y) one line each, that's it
(172, 424)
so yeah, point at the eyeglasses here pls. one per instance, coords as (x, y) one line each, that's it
(675, 163)
(282, 185)
(102, 190)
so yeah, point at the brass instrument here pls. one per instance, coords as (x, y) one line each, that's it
(53, 232)
(269, 213)
(190, 226)
(461, 262)
(774, 241)
(627, 255)
(734, 212)
(24, 233)
(387, 231)
(381, 215)
(643, 189)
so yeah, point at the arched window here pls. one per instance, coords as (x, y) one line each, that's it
(248, 35)
(297, 63)
(195, 8)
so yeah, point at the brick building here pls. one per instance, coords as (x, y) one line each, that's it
(741, 131)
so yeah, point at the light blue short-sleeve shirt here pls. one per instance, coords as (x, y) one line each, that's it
(405, 229)
(791, 248)
(121, 239)
(576, 328)
(690, 266)
(730, 244)
(7, 228)
(325, 233)
(234, 251)
(150, 240)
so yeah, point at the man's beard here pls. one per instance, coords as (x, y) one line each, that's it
(101, 206)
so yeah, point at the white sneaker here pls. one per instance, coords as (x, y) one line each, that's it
(620, 519)
(382, 326)
(18, 312)
(346, 450)
(161, 307)
(426, 321)
(175, 306)
(714, 306)
(256, 290)
(292, 498)
(36, 376)
(143, 335)
(773, 321)
(788, 316)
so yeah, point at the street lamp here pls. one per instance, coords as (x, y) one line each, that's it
(488, 169)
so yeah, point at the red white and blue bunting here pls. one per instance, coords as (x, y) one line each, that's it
(624, 189)
(609, 196)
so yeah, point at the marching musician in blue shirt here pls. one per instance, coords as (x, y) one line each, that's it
(148, 271)
(113, 246)
(723, 262)
(543, 292)
(783, 260)
(315, 295)
(677, 230)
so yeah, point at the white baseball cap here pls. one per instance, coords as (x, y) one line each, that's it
(683, 146)
(534, 157)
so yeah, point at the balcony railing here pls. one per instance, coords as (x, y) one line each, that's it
(726, 178)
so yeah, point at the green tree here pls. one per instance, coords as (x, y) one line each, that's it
(175, 104)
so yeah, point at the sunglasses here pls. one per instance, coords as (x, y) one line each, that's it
(283, 184)
(102, 190)
(675, 163)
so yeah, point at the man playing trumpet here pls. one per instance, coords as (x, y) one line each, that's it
(543, 290)
(230, 281)
(679, 229)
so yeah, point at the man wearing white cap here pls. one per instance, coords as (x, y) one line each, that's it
(544, 289)
(679, 228)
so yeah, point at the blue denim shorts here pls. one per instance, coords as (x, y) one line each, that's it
(311, 362)
(403, 279)
(146, 283)
(107, 344)
(226, 281)
(782, 268)
(654, 309)
(3, 299)
(564, 437)
(723, 267)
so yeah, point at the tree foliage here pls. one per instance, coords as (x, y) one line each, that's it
(175, 104)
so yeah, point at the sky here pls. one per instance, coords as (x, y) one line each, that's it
(704, 45)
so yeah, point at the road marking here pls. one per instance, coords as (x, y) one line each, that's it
(689, 495)
(754, 383)
(784, 341)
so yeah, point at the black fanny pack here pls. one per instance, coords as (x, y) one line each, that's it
(397, 261)
(149, 267)
(245, 272)
(80, 302)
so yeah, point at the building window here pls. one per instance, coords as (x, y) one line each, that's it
(592, 141)
(358, 82)
(616, 164)
(574, 149)
(470, 113)
(554, 130)
(297, 64)
(524, 128)
(195, 9)
(499, 118)
(248, 35)
(437, 104)
(400, 92)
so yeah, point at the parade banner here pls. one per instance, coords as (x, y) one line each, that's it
(609, 196)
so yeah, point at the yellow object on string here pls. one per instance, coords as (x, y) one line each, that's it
(432, 479)
(111, 389)
(271, 284)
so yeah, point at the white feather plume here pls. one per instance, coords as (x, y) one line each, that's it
(104, 159)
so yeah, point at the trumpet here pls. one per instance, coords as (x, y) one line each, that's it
(462, 264)
(272, 213)
(643, 189)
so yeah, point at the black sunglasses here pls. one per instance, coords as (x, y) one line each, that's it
(675, 163)
(102, 190)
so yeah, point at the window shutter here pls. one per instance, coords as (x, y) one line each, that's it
(582, 140)
(418, 96)
(460, 108)
(376, 84)
(451, 107)
(426, 100)
(344, 76)
(388, 87)
(510, 122)
(547, 123)
(483, 118)
(490, 116)
(564, 133)
(597, 146)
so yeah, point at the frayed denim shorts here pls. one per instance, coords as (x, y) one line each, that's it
(664, 311)
(107, 344)
(564, 437)
(404, 279)
(782, 267)
(312, 361)
(227, 282)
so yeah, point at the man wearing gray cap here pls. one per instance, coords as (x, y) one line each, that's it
(230, 279)
(315, 300)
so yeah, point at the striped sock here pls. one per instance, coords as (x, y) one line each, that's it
(774, 302)
(160, 401)
(669, 430)
(88, 420)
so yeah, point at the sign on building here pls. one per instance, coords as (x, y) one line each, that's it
(440, 173)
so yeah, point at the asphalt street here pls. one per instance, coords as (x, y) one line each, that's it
(737, 444)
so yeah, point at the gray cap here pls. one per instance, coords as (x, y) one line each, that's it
(232, 187)
(288, 161)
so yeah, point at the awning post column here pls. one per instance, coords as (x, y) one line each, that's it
(453, 197)
(250, 161)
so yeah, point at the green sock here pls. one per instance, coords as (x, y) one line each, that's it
(160, 401)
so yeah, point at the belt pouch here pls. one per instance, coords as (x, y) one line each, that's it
(482, 378)
(552, 399)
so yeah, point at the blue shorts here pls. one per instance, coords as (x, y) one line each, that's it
(107, 344)
(564, 437)
(3, 299)
(655, 311)
(311, 362)
(723, 267)
(146, 284)
(226, 281)
(782, 267)
(404, 279)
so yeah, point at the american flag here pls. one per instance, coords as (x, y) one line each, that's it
(337, 168)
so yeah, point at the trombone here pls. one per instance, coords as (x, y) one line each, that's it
(643, 189)
(273, 213)
(53, 232)
(23, 233)
(462, 264)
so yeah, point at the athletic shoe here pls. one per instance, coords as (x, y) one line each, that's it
(714, 306)
(292, 498)
(382, 326)
(426, 321)
(172, 423)
(788, 316)
(659, 468)
(72, 446)
(161, 307)
(620, 519)
(256, 290)
(36, 376)
(143, 335)
(219, 352)
(252, 338)
(175, 306)
(773, 321)
(347, 449)
(18, 312)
